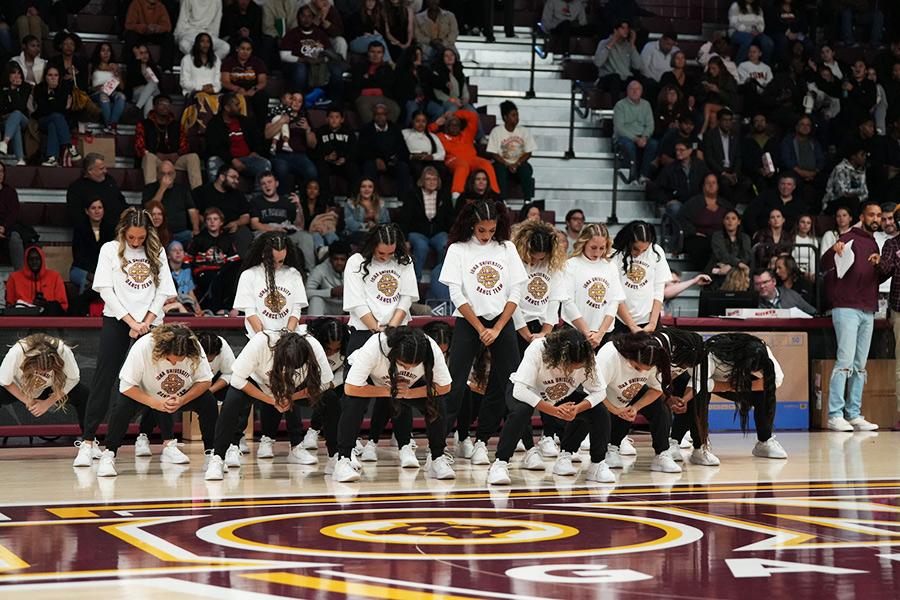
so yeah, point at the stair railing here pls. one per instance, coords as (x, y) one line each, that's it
(536, 50)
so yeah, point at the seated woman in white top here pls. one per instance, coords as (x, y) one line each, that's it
(200, 68)
(425, 148)
(107, 85)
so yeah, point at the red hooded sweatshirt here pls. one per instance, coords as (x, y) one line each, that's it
(24, 284)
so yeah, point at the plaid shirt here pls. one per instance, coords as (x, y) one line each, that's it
(889, 266)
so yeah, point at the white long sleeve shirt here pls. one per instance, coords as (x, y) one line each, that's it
(623, 382)
(484, 276)
(761, 73)
(388, 287)
(418, 143)
(132, 292)
(534, 381)
(273, 310)
(738, 21)
(593, 291)
(370, 365)
(541, 296)
(644, 282)
(192, 78)
(160, 378)
(720, 371)
(11, 368)
(255, 361)
(656, 62)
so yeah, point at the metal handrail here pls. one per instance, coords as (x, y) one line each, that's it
(535, 49)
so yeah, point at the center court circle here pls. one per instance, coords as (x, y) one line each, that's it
(449, 531)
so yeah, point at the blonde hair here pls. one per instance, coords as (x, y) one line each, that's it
(737, 280)
(41, 355)
(135, 217)
(588, 232)
(538, 236)
(176, 339)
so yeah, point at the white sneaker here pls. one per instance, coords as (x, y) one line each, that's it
(215, 470)
(520, 447)
(548, 447)
(465, 448)
(675, 450)
(563, 464)
(499, 473)
(626, 448)
(4, 147)
(332, 461)
(369, 452)
(233, 457)
(85, 456)
(21, 162)
(266, 447)
(479, 454)
(359, 446)
(142, 446)
(586, 444)
(576, 457)
(408, 458)
(344, 471)
(172, 454)
(107, 466)
(301, 456)
(839, 424)
(600, 473)
(243, 446)
(663, 463)
(704, 457)
(769, 449)
(860, 424)
(310, 440)
(354, 460)
(613, 457)
(533, 460)
(440, 468)
(687, 441)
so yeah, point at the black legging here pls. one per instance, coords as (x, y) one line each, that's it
(516, 427)
(550, 425)
(763, 413)
(124, 409)
(686, 421)
(114, 344)
(77, 398)
(317, 420)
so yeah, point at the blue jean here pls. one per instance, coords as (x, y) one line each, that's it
(143, 97)
(744, 40)
(437, 290)
(429, 107)
(292, 164)
(324, 239)
(12, 130)
(422, 244)
(631, 152)
(58, 135)
(874, 17)
(853, 329)
(78, 276)
(361, 45)
(185, 237)
(298, 76)
(254, 167)
(111, 107)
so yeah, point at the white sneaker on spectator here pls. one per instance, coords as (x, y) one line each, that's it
(769, 449)
(663, 463)
(107, 467)
(85, 456)
(626, 448)
(839, 424)
(499, 473)
(675, 450)
(704, 457)
(311, 439)
(408, 458)
(465, 448)
(344, 471)
(613, 457)
(142, 446)
(369, 452)
(265, 448)
(215, 470)
(479, 454)
(600, 473)
(860, 424)
(548, 447)
(563, 464)
(533, 460)
(233, 457)
(440, 468)
(301, 456)
(172, 454)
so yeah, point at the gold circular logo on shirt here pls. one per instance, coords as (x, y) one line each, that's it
(597, 292)
(632, 390)
(387, 285)
(172, 384)
(557, 391)
(538, 288)
(275, 301)
(488, 276)
(636, 274)
(139, 271)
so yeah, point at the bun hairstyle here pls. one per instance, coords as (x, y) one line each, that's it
(568, 349)
(135, 217)
(589, 232)
(42, 356)
(388, 234)
(645, 349)
(484, 210)
(260, 253)
(292, 353)
(176, 339)
(329, 329)
(531, 237)
(411, 346)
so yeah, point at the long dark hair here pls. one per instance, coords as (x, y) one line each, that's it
(567, 347)
(95, 57)
(260, 253)
(636, 231)
(687, 350)
(440, 331)
(210, 342)
(387, 234)
(291, 353)
(210, 55)
(647, 350)
(329, 329)
(411, 346)
(484, 210)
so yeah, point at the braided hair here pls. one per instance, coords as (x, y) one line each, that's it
(484, 210)
(210, 342)
(388, 234)
(176, 339)
(589, 232)
(645, 349)
(135, 217)
(411, 346)
(440, 331)
(41, 356)
(329, 329)
(292, 353)
(687, 350)
(568, 349)
(260, 253)
(636, 231)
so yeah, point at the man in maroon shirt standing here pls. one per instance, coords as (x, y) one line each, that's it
(854, 298)
(890, 267)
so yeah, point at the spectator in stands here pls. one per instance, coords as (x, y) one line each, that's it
(785, 198)
(435, 29)
(805, 235)
(879, 112)
(373, 83)
(327, 17)
(320, 217)
(399, 18)
(157, 213)
(574, 225)
(449, 82)
(72, 66)
(746, 25)
(306, 48)
(186, 301)
(670, 106)
(843, 221)
(731, 247)
(271, 211)
(279, 17)
(368, 26)
(196, 17)
(36, 285)
(565, 20)
(235, 140)
(722, 152)
(245, 74)
(860, 93)
(148, 22)
(426, 218)
(864, 12)
(215, 262)
(10, 228)
(201, 71)
(681, 79)
(95, 184)
(633, 130)
(242, 20)
(773, 239)
(717, 90)
(223, 193)
(87, 237)
(511, 146)
(854, 298)
(457, 131)
(182, 214)
(700, 217)
(774, 296)
(477, 188)
(414, 85)
(106, 86)
(679, 180)
(683, 132)
(31, 22)
(789, 276)
(53, 103)
(336, 152)
(159, 138)
(617, 60)
(758, 143)
(325, 286)
(656, 59)
(142, 79)
(753, 78)
(802, 154)
(846, 185)
(15, 97)
(288, 128)
(424, 147)
(363, 211)
(787, 24)
(30, 60)
(383, 150)
(889, 266)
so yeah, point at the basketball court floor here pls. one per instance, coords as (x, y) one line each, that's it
(823, 524)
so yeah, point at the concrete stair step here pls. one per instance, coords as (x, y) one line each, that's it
(560, 142)
(519, 83)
